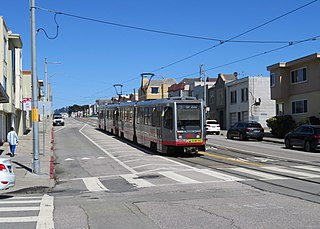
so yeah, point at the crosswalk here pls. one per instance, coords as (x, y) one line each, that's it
(27, 209)
(198, 176)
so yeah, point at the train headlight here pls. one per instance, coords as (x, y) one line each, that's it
(198, 135)
(179, 135)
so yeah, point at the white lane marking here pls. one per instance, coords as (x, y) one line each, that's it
(219, 175)
(146, 165)
(303, 174)
(306, 167)
(16, 209)
(179, 178)
(69, 159)
(133, 179)
(18, 219)
(259, 174)
(59, 129)
(101, 157)
(20, 201)
(45, 218)
(93, 184)
(106, 152)
(85, 158)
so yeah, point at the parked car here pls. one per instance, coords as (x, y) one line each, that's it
(7, 177)
(212, 127)
(306, 136)
(245, 130)
(58, 120)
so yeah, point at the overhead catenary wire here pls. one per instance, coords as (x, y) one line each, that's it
(315, 38)
(159, 31)
(234, 37)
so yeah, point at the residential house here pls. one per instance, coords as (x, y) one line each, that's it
(248, 99)
(198, 89)
(184, 88)
(27, 98)
(217, 99)
(295, 86)
(155, 89)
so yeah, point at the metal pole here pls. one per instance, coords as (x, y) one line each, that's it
(44, 132)
(35, 121)
(45, 80)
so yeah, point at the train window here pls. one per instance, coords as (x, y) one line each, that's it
(147, 116)
(154, 118)
(189, 117)
(130, 112)
(168, 118)
(140, 113)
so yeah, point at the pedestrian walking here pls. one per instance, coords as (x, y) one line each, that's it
(13, 140)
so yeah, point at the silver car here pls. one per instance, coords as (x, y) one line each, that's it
(7, 176)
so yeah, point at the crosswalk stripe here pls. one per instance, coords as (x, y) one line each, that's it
(19, 201)
(45, 218)
(218, 175)
(259, 174)
(133, 179)
(303, 174)
(17, 209)
(93, 184)
(306, 167)
(179, 178)
(18, 219)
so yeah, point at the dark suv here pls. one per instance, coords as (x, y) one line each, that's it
(245, 130)
(306, 136)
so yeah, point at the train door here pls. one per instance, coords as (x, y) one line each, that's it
(157, 122)
(167, 128)
(116, 121)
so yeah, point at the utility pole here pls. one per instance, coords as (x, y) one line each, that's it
(35, 116)
(204, 90)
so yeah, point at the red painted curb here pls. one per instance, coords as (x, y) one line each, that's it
(51, 168)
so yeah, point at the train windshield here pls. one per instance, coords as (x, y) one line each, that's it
(188, 116)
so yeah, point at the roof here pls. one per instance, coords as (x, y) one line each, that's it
(161, 82)
(190, 80)
(304, 59)
(227, 77)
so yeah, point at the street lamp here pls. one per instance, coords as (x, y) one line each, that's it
(46, 78)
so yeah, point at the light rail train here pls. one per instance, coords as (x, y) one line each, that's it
(173, 125)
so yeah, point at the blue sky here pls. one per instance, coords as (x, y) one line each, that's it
(95, 56)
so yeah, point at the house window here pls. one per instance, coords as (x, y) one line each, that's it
(5, 49)
(272, 80)
(233, 97)
(279, 108)
(5, 83)
(299, 107)
(244, 94)
(154, 90)
(299, 75)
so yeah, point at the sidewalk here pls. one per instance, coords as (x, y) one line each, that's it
(22, 162)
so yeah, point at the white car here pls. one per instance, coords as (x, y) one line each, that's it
(212, 127)
(58, 120)
(7, 177)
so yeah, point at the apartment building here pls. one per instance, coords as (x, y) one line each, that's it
(11, 112)
(248, 99)
(155, 89)
(217, 99)
(295, 86)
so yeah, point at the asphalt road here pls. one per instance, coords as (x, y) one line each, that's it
(103, 182)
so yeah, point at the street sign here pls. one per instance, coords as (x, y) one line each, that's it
(26, 104)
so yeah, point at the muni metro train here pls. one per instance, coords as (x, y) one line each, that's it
(166, 125)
